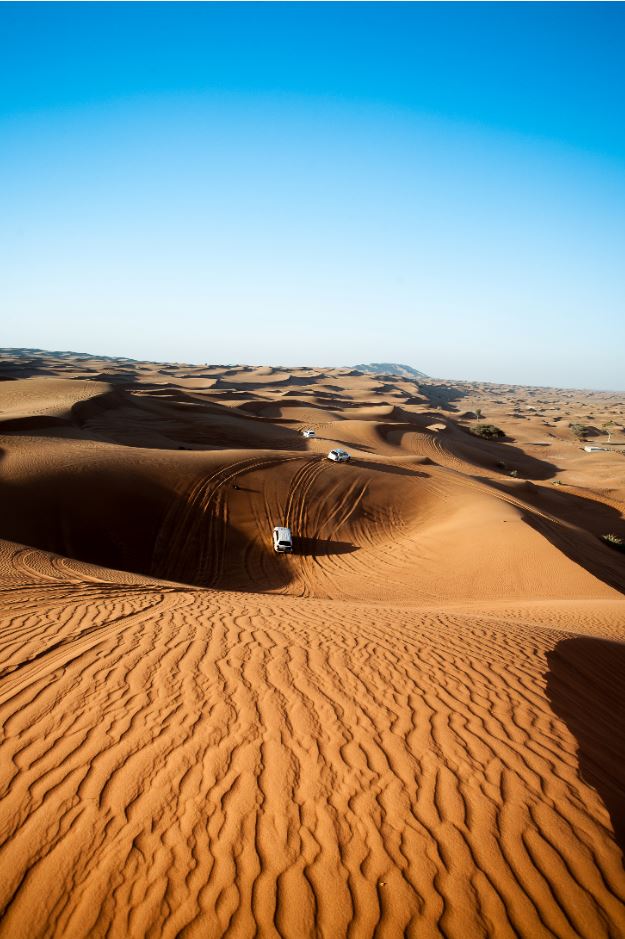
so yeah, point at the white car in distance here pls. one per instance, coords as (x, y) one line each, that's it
(339, 456)
(308, 433)
(282, 540)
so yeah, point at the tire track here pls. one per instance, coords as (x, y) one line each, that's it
(192, 541)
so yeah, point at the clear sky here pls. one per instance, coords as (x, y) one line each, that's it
(318, 184)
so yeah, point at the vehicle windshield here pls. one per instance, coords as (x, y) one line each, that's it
(287, 543)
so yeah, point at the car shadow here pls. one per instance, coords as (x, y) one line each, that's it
(586, 690)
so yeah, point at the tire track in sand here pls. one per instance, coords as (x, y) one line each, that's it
(191, 543)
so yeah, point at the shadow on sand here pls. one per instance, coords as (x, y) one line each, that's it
(152, 421)
(318, 547)
(393, 469)
(586, 689)
(575, 527)
(458, 442)
(440, 396)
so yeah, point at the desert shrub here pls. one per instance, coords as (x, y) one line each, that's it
(614, 541)
(580, 430)
(514, 473)
(487, 431)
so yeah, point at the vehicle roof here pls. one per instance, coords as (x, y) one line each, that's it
(282, 532)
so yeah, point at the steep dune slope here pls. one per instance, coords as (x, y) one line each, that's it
(367, 530)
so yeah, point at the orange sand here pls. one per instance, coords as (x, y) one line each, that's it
(414, 726)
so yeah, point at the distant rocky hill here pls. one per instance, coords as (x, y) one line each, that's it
(391, 368)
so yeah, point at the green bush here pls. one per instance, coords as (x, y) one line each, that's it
(487, 431)
(580, 430)
(614, 541)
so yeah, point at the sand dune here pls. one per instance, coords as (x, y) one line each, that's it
(414, 726)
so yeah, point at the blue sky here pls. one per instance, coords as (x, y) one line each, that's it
(436, 184)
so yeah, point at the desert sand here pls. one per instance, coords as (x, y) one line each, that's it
(413, 726)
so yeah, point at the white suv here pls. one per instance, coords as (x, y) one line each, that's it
(339, 456)
(308, 433)
(282, 540)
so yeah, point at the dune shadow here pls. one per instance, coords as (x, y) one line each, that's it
(441, 396)
(134, 414)
(16, 374)
(389, 468)
(458, 441)
(320, 547)
(361, 446)
(500, 454)
(11, 371)
(507, 458)
(586, 689)
(503, 456)
(122, 520)
(581, 543)
(178, 421)
(210, 552)
(35, 423)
